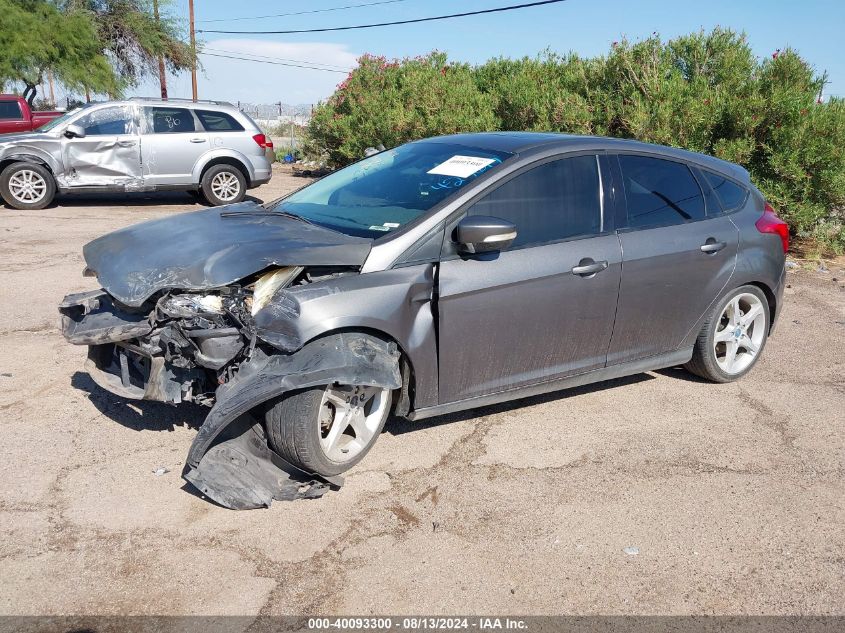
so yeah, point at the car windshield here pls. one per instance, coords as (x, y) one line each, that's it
(381, 193)
(53, 123)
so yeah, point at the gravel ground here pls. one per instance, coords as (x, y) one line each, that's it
(654, 494)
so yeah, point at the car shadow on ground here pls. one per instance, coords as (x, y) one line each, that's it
(399, 426)
(134, 199)
(139, 415)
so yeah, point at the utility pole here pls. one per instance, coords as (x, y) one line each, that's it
(193, 49)
(162, 75)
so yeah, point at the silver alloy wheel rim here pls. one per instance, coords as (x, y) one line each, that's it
(740, 332)
(27, 186)
(349, 419)
(225, 186)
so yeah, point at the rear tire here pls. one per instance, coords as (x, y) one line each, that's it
(327, 430)
(733, 336)
(27, 186)
(223, 184)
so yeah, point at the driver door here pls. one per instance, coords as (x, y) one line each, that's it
(109, 155)
(528, 314)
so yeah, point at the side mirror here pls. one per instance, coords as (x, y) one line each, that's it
(483, 234)
(74, 131)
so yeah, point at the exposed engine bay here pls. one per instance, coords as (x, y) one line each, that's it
(205, 348)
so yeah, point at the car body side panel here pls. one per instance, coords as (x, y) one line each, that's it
(225, 152)
(668, 283)
(760, 260)
(521, 317)
(396, 303)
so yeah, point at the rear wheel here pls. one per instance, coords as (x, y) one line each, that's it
(327, 430)
(27, 186)
(733, 336)
(223, 184)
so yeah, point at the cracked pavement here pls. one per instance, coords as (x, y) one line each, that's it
(732, 494)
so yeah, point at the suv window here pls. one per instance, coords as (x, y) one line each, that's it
(659, 192)
(10, 110)
(169, 120)
(554, 201)
(731, 195)
(107, 121)
(218, 121)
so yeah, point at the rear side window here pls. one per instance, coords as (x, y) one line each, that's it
(731, 195)
(659, 192)
(10, 110)
(218, 121)
(552, 202)
(169, 120)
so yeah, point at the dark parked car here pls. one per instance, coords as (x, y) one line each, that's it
(442, 275)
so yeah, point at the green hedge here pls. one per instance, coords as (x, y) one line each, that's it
(704, 91)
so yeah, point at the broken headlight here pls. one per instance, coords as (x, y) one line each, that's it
(269, 283)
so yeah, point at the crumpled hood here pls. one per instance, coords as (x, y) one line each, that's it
(212, 248)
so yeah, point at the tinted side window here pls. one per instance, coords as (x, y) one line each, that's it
(107, 121)
(659, 192)
(731, 195)
(10, 110)
(218, 121)
(169, 120)
(551, 202)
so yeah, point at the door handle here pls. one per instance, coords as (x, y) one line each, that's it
(712, 246)
(587, 267)
(197, 140)
(126, 143)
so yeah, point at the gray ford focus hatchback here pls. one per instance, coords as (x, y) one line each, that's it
(442, 275)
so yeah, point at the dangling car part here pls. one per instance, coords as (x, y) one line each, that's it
(435, 277)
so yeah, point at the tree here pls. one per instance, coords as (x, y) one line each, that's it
(35, 37)
(133, 38)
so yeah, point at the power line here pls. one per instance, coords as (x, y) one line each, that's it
(266, 61)
(369, 26)
(277, 59)
(284, 15)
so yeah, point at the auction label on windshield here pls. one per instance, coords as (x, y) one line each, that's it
(461, 166)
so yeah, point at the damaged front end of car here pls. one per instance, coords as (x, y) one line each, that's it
(172, 341)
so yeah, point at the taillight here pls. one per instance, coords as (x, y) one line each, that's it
(263, 141)
(769, 222)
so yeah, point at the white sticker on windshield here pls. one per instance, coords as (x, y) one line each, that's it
(461, 166)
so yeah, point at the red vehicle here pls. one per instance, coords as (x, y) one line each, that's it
(17, 116)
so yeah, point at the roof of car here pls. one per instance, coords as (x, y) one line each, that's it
(528, 142)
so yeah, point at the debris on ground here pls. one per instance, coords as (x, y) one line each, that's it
(631, 550)
(161, 470)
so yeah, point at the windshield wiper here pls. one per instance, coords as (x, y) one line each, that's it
(284, 214)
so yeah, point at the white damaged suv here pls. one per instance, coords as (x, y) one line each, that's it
(207, 147)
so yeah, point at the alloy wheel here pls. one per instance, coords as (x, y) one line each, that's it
(225, 186)
(349, 419)
(740, 333)
(27, 186)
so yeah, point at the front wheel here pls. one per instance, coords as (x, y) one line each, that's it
(327, 430)
(223, 184)
(733, 336)
(27, 186)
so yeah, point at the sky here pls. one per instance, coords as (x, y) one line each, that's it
(815, 28)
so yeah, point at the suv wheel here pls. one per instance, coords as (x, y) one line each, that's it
(327, 430)
(733, 336)
(27, 186)
(223, 184)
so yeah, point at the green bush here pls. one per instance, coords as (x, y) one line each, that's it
(706, 92)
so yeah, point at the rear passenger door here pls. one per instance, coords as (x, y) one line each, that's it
(171, 144)
(542, 309)
(677, 257)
